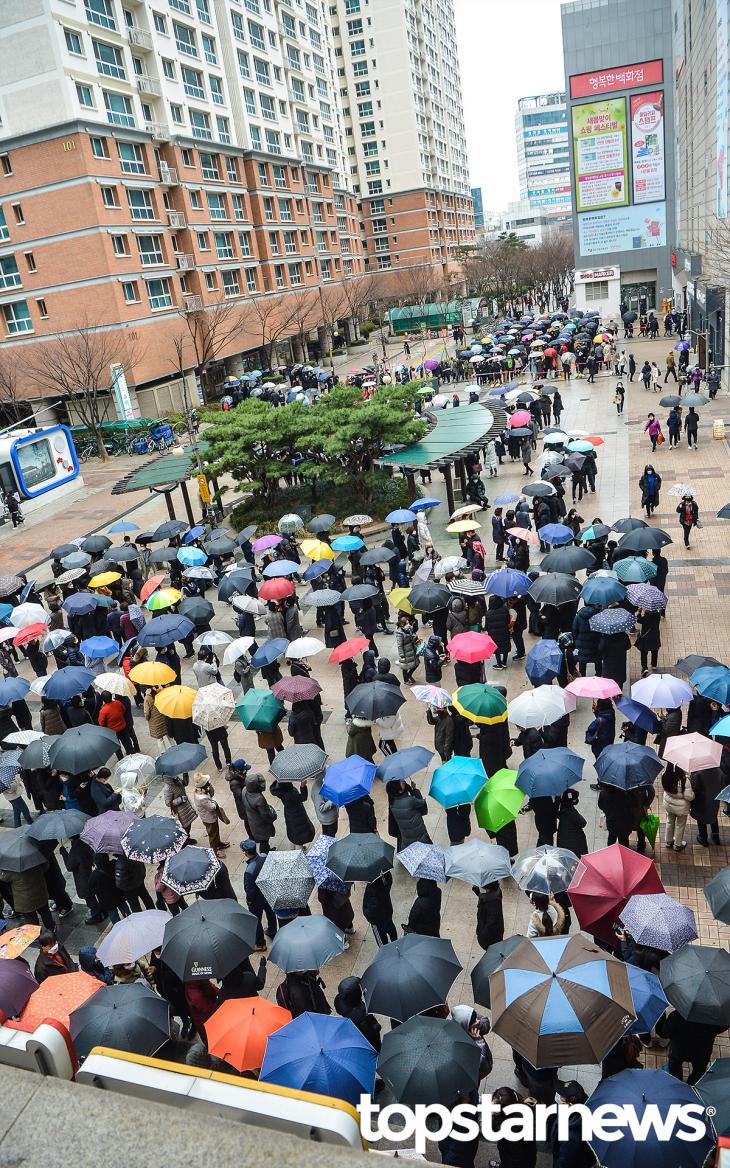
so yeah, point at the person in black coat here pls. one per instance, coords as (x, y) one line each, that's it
(109, 901)
(556, 734)
(490, 917)
(462, 734)
(334, 630)
(407, 808)
(220, 887)
(512, 1153)
(22, 714)
(377, 908)
(494, 746)
(425, 915)
(242, 982)
(349, 1003)
(571, 824)
(78, 859)
(458, 823)
(299, 827)
(303, 992)
(361, 815)
(304, 725)
(704, 807)
(571, 1152)
(619, 808)
(613, 649)
(129, 877)
(545, 810)
(367, 622)
(689, 1042)
(530, 740)
(496, 624)
(649, 642)
(586, 642)
(662, 569)
(601, 731)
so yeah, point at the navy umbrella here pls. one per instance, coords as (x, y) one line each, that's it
(80, 603)
(544, 662)
(638, 714)
(66, 682)
(179, 760)
(269, 652)
(628, 765)
(404, 763)
(316, 569)
(507, 582)
(549, 772)
(164, 630)
(663, 1093)
(612, 620)
(488, 964)
(124, 1017)
(650, 1001)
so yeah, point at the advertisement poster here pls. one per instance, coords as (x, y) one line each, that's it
(647, 147)
(609, 80)
(721, 110)
(599, 145)
(623, 229)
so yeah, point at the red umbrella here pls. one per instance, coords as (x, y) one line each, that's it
(520, 418)
(549, 353)
(347, 650)
(604, 882)
(276, 589)
(30, 633)
(151, 585)
(471, 647)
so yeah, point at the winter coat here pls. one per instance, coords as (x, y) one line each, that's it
(619, 808)
(260, 815)
(679, 803)
(206, 672)
(128, 874)
(29, 888)
(299, 827)
(457, 621)
(425, 915)
(104, 797)
(377, 905)
(497, 625)
(570, 833)
(490, 917)
(644, 486)
(349, 1003)
(613, 650)
(302, 993)
(443, 733)
(327, 812)
(494, 746)
(706, 786)
(602, 730)
(176, 799)
(361, 815)
(49, 965)
(585, 641)
(650, 637)
(360, 739)
(156, 721)
(51, 721)
(304, 723)
(458, 823)
(406, 645)
(671, 725)
(408, 810)
(78, 862)
(537, 927)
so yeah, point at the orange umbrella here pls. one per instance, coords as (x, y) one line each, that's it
(16, 941)
(57, 997)
(150, 585)
(240, 1028)
(593, 439)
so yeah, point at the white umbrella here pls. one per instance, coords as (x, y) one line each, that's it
(578, 433)
(213, 706)
(54, 639)
(449, 564)
(7, 634)
(303, 647)
(469, 509)
(142, 766)
(199, 574)
(22, 737)
(249, 604)
(212, 638)
(133, 937)
(290, 522)
(540, 707)
(70, 576)
(236, 649)
(29, 614)
(115, 683)
(558, 439)
(681, 489)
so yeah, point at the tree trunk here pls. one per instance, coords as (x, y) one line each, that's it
(99, 439)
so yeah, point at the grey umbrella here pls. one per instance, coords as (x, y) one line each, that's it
(359, 592)
(410, 975)
(696, 980)
(76, 560)
(320, 598)
(717, 894)
(120, 555)
(555, 588)
(58, 825)
(168, 529)
(208, 939)
(123, 1017)
(377, 555)
(486, 966)
(307, 943)
(360, 856)
(286, 880)
(429, 1060)
(321, 523)
(477, 862)
(302, 761)
(18, 852)
(81, 748)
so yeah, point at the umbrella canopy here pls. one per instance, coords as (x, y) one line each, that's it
(103, 833)
(163, 598)
(424, 861)
(176, 701)
(164, 630)
(659, 921)
(347, 780)
(16, 986)
(321, 523)
(568, 559)
(410, 975)
(306, 943)
(717, 894)
(644, 539)
(560, 1000)
(696, 980)
(285, 880)
(471, 646)
(428, 1061)
(360, 856)
(604, 882)
(499, 801)
(297, 763)
(317, 858)
(81, 748)
(650, 1001)
(458, 781)
(544, 662)
(488, 963)
(714, 1091)
(296, 689)
(28, 614)
(324, 1055)
(377, 555)
(269, 652)
(692, 752)
(476, 862)
(67, 682)
(374, 699)
(114, 683)
(593, 687)
(16, 941)
(713, 682)
(239, 1029)
(628, 765)
(602, 590)
(258, 709)
(646, 597)
(35, 754)
(540, 707)
(58, 825)
(404, 763)
(212, 706)
(481, 703)
(432, 695)
(665, 1095)
(123, 1017)
(153, 839)
(429, 598)
(549, 772)
(638, 714)
(507, 582)
(80, 604)
(191, 870)
(133, 937)
(212, 639)
(555, 588)
(208, 939)
(634, 570)
(178, 760)
(612, 621)
(546, 870)
(13, 689)
(661, 691)
(19, 853)
(152, 673)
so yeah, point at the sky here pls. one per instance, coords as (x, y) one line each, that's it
(508, 49)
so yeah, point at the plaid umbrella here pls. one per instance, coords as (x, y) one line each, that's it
(324, 877)
(612, 620)
(659, 921)
(191, 870)
(296, 763)
(104, 832)
(646, 596)
(153, 839)
(285, 880)
(427, 861)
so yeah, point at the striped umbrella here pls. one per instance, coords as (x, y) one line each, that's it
(432, 695)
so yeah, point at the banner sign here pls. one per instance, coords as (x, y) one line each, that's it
(611, 80)
(721, 109)
(647, 147)
(623, 229)
(599, 147)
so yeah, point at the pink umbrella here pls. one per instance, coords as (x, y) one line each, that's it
(266, 542)
(594, 687)
(692, 752)
(471, 647)
(524, 534)
(520, 418)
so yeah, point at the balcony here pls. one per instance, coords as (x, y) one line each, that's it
(149, 85)
(140, 38)
(192, 303)
(168, 175)
(176, 219)
(185, 261)
(160, 131)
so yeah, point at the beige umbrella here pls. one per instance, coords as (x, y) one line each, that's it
(213, 706)
(115, 683)
(469, 509)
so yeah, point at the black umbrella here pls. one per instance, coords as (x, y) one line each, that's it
(671, 399)
(575, 462)
(724, 512)
(359, 592)
(539, 490)
(696, 980)
(220, 547)
(629, 524)
(629, 317)
(360, 856)
(409, 975)
(198, 610)
(178, 760)
(165, 555)
(81, 748)
(694, 661)
(93, 544)
(645, 539)
(321, 523)
(121, 1017)
(521, 432)
(63, 550)
(374, 699)
(714, 1091)
(234, 584)
(35, 755)
(169, 529)
(121, 555)
(567, 559)
(429, 597)
(191, 870)
(429, 1060)
(58, 825)
(717, 894)
(208, 939)
(245, 534)
(488, 964)
(153, 839)
(377, 555)
(18, 852)
(555, 588)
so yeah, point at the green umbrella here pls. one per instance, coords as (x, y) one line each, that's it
(634, 570)
(480, 702)
(258, 709)
(499, 801)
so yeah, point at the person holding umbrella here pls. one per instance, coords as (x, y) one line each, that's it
(377, 908)
(689, 516)
(303, 992)
(425, 915)
(299, 827)
(677, 801)
(349, 1003)
(407, 807)
(209, 812)
(689, 1042)
(649, 641)
(256, 902)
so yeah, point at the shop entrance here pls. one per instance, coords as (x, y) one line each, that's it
(639, 298)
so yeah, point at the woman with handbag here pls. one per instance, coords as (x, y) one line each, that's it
(689, 516)
(209, 811)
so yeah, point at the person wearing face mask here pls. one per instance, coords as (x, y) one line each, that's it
(53, 958)
(406, 644)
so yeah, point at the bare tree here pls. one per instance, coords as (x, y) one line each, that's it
(10, 404)
(331, 307)
(303, 306)
(210, 331)
(77, 365)
(272, 318)
(357, 294)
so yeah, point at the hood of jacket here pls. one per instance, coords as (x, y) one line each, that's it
(255, 783)
(464, 1015)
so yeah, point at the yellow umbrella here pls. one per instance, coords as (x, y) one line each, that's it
(463, 525)
(104, 579)
(152, 673)
(317, 549)
(398, 597)
(176, 701)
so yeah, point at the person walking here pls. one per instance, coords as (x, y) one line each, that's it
(377, 908)
(691, 424)
(256, 902)
(209, 811)
(674, 425)
(406, 644)
(653, 427)
(526, 454)
(689, 517)
(677, 801)
(619, 398)
(646, 374)
(656, 377)
(632, 367)
(650, 485)
(671, 366)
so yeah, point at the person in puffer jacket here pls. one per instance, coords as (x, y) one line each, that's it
(586, 642)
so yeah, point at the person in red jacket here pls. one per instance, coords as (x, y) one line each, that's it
(113, 716)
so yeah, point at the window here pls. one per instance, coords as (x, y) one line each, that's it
(249, 98)
(290, 28)
(273, 244)
(255, 133)
(203, 11)
(362, 89)
(351, 6)
(99, 148)
(268, 210)
(268, 109)
(176, 112)
(17, 318)
(244, 242)
(290, 242)
(73, 42)
(244, 67)
(224, 129)
(279, 276)
(279, 176)
(168, 68)
(253, 6)
(200, 123)
(217, 206)
(261, 70)
(231, 284)
(192, 82)
(203, 240)
(285, 210)
(325, 268)
(9, 274)
(370, 149)
(140, 204)
(150, 250)
(251, 280)
(109, 60)
(160, 23)
(118, 109)
(295, 59)
(383, 262)
(185, 39)
(100, 12)
(360, 69)
(209, 49)
(180, 5)
(119, 244)
(239, 210)
(4, 233)
(130, 291)
(273, 141)
(131, 157)
(354, 27)
(85, 96)
(597, 290)
(238, 29)
(231, 169)
(223, 245)
(263, 172)
(159, 293)
(42, 308)
(256, 33)
(195, 200)
(372, 167)
(209, 166)
(367, 129)
(109, 197)
(210, 281)
(365, 109)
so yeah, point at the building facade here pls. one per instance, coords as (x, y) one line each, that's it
(477, 199)
(620, 108)
(543, 154)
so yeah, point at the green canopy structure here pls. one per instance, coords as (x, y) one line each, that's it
(413, 317)
(453, 432)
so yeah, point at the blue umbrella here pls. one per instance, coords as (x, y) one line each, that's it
(638, 1090)
(269, 652)
(192, 557)
(13, 689)
(194, 533)
(281, 568)
(324, 1055)
(424, 504)
(556, 533)
(659, 921)
(628, 765)
(404, 763)
(324, 877)
(400, 515)
(163, 630)
(722, 730)
(639, 715)
(97, 648)
(80, 604)
(317, 569)
(713, 682)
(506, 582)
(424, 861)
(602, 590)
(5, 611)
(123, 527)
(347, 543)
(125, 649)
(612, 620)
(506, 499)
(649, 999)
(65, 683)
(26, 590)
(549, 772)
(347, 780)
(544, 662)
(178, 760)
(458, 781)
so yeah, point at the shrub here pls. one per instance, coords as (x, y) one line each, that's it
(310, 499)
